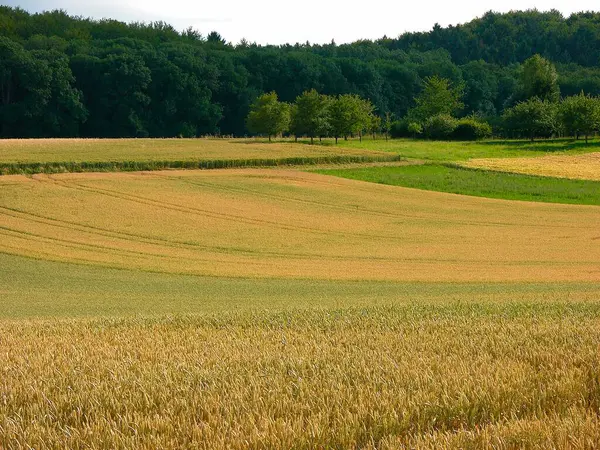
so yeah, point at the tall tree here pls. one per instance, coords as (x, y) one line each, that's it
(268, 116)
(438, 97)
(538, 78)
(311, 115)
(580, 114)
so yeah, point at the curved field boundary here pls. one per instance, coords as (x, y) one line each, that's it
(135, 166)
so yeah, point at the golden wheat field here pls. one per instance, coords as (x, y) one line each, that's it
(270, 308)
(101, 150)
(283, 223)
(450, 376)
(585, 166)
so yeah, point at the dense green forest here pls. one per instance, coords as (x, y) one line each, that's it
(70, 76)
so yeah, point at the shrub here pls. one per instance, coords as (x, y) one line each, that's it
(440, 127)
(415, 128)
(399, 129)
(533, 118)
(470, 129)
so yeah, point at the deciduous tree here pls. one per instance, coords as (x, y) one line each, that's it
(268, 115)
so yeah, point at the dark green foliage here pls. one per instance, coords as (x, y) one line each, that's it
(471, 129)
(480, 183)
(440, 127)
(538, 78)
(532, 118)
(268, 116)
(71, 76)
(399, 129)
(438, 97)
(310, 115)
(134, 166)
(580, 115)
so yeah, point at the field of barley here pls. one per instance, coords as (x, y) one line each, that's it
(584, 167)
(284, 308)
(27, 156)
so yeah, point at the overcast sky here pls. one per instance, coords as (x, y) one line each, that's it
(317, 21)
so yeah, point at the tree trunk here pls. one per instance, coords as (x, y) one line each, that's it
(386, 137)
(586, 139)
(336, 138)
(360, 137)
(295, 138)
(269, 138)
(311, 140)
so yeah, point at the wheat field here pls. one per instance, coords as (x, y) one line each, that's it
(98, 150)
(269, 308)
(291, 224)
(584, 167)
(467, 375)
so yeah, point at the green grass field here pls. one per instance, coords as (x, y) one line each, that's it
(282, 308)
(480, 183)
(437, 151)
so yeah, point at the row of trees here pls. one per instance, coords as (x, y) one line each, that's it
(315, 115)
(71, 76)
(574, 116)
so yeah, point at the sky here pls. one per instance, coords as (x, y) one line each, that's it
(316, 21)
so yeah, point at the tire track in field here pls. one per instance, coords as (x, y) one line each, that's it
(111, 251)
(221, 216)
(374, 212)
(77, 245)
(298, 256)
(108, 250)
(176, 244)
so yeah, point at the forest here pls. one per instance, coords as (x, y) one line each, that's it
(65, 76)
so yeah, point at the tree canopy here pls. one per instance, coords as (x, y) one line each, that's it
(71, 76)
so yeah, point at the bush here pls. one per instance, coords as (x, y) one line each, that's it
(532, 118)
(440, 127)
(415, 128)
(469, 129)
(399, 129)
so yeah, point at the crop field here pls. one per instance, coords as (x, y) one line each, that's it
(283, 223)
(285, 308)
(444, 151)
(584, 167)
(109, 155)
(462, 375)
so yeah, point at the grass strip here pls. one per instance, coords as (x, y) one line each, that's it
(456, 179)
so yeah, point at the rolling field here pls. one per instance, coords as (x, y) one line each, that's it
(289, 224)
(110, 155)
(275, 308)
(583, 167)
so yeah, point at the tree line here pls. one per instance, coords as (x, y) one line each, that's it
(63, 76)
(315, 115)
(539, 111)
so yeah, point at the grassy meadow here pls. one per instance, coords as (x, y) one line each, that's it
(283, 308)
(473, 179)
